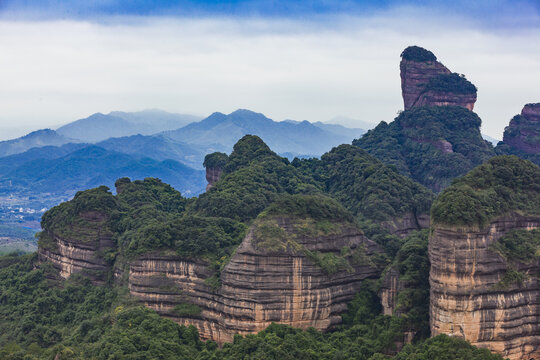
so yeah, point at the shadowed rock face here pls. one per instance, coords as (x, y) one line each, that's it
(416, 75)
(523, 132)
(212, 176)
(258, 286)
(390, 287)
(74, 255)
(467, 299)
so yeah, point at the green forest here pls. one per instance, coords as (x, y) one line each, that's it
(45, 317)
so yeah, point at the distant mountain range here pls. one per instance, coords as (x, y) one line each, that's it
(98, 127)
(39, 138)
(92, 166)
(298, 137)
(101, 148)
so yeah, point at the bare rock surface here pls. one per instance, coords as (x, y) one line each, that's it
(467, 299)
(258, 286)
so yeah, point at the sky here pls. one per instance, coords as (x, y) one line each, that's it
(302, 60)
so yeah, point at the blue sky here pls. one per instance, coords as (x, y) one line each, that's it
(298, 60)
(492, 12)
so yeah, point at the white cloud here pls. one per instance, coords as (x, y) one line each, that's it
(53, 72)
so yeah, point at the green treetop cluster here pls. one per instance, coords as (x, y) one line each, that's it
(413, 144)
(215, 160)
(451, 83)
(418, 54)
(364, 185)
(501, 185)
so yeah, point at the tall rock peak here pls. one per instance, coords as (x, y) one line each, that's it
(427, 82)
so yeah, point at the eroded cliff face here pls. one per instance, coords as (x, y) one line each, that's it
(467, 299)
(259, 285)
(416, 75)
(83, 251)
(523, 132)
(436, 98)
(390, 287)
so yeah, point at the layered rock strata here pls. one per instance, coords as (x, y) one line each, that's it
(467, 299)
(258, 286)
(83, 251)
(437, 98)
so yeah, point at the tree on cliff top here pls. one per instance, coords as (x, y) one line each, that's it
(451, 83)
(365, 186)
(215, 160)
(417, 53)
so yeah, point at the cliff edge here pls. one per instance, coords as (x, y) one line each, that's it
(485, 263)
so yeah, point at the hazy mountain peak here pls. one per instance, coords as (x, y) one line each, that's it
(286, 136)
(98, 126)
(38, 138)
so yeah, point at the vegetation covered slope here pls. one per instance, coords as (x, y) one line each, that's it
(432, 145)
(145, 215)
(364, 185)
(148, 216)
(501, 185)
(522, 135)
(41, 320)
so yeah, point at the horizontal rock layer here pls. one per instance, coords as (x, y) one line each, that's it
(433, 98)
(465, 299)
(257, 287)
(76, 255)
(71, 257)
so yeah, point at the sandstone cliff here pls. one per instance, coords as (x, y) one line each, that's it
(467, 299)
(427, 82)
(484, 251)
(523, 132)
(282, 280)
(82, 248)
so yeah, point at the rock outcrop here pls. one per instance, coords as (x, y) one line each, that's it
(83, 251)
(388, 292)
(523, 132)
(214, 164)
(427, 82)
(467, 296)
(282, 281)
